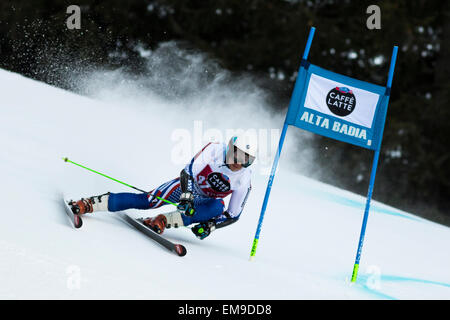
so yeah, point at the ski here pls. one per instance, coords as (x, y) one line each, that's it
(74, 218)
(179, 249)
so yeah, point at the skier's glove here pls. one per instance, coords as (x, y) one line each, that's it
(204, 229)
(186, 205)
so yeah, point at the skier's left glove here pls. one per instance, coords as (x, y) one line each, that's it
(204, 229)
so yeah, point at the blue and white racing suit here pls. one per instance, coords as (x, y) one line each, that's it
(210, 181)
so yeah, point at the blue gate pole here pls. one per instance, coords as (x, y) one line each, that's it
(374, 168)
(277, 156)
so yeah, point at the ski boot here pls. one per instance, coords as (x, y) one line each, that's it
(96, 203)
(163, 221)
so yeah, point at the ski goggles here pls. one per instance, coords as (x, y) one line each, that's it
(242, 157)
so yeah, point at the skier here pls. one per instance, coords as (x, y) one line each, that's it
(215, 172)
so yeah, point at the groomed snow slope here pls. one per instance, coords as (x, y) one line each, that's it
(308, 241)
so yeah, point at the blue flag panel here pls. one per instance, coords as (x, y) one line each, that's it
(338, 107)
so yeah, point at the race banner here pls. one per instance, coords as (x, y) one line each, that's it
(339, 107)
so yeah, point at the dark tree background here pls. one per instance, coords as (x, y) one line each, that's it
(266, 39)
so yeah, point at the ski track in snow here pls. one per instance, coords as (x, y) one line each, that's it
(308, 241)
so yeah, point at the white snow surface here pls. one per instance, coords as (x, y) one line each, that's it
(308, 240)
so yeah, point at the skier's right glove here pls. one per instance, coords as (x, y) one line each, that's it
(186, 205)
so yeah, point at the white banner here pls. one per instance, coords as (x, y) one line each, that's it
(340, 100)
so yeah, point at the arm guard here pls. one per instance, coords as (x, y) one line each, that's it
(185, 178)
(229, 220)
